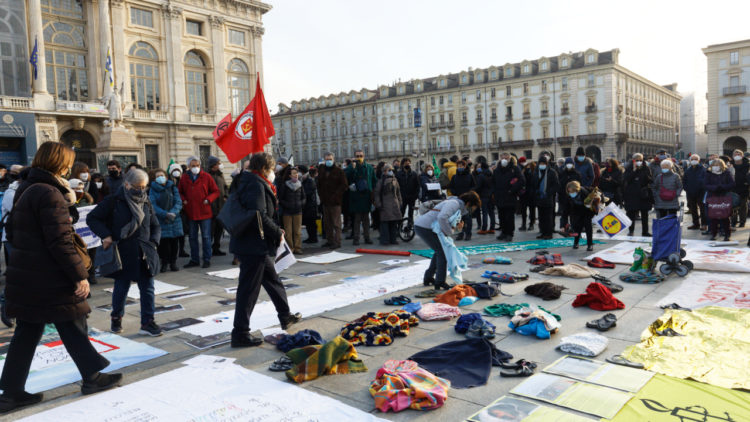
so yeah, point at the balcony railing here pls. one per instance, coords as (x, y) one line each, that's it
(479, 121)
(19, 103)
(520, 144)
(545, 113)
(450, 125)
(433, 126)
(508, 117)
(545, 141)
(565, 139)
(594, 137)
(464, 123)
(734, 124)
(734, 90)
(591, 108)
(150, 114)
(526, 115)
(565, 111)
(202, 118)
(441, 125)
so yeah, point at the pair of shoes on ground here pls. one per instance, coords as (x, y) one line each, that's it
(505, 237)
(604, 323)
(486, 231)
(589, 248)
(281, 364)
(218, 252)
(613, 287)
(356, 242)
(150, 329)
(522, 368)
(397, 301)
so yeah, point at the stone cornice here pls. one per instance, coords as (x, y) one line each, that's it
(171, 12)
(216, 21)
(119, 4)
(258, 31)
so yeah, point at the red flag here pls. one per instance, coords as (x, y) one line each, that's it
(222, 126)
(250, 131)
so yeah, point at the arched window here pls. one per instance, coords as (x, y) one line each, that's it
(65, 49)
(239, 85)
(144, 77)
(14, 65)
(196, 83)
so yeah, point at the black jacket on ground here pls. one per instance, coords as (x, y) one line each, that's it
(462, 182)
(408, 183)
(543, 197)
(636, 188)
(259, 239)
(507, 184)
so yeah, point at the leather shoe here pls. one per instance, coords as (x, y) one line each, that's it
(290, 320)
(246, 340)
(206, 264)
(192, 264)
(217, 252)
(100, 382)
(9, 401)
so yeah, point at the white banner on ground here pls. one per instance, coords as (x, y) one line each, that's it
(701, 289)
(703, 256)
(317, 301)
(207, 390)
(83, 230)
(328, 258)
(160, 287)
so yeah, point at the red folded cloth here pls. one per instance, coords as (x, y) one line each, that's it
(600, 263)
(598, 297)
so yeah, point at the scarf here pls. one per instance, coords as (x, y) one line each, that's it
(136, 209)
(542, 183)
(271, 185)
(70, 195)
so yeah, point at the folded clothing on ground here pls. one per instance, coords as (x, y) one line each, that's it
(507, 309)
(498, 260)
(485, 290)
(438, 312)
(545, 290)
(465, 321)
(402, 384)
(413, 307)
(379, 329)
(570, 270)
(299, 339)
(534, 321)
(583, 344)
(544, 258)
(598, 297)
(455, 294)
(338, 356)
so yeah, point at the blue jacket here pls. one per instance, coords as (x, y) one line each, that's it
(166, 199)
(587, 172)
(695, 180)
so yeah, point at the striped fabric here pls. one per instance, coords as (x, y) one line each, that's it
(402, 384)
(337, 356)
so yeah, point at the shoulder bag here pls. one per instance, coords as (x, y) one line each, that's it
(719, 207)
(108, 260)
(664, 193)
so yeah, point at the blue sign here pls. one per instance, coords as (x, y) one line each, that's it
(417, 117)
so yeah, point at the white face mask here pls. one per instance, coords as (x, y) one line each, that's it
(503, 162)
(429, 172)
(694, 162)
(278, 167)
(176, 173)
(569, 166)
(221, 166)
(195, 170)
(737, 158)
(638, 163)
(84, 176)
(271, 176)
(99, 185)
(716, 169)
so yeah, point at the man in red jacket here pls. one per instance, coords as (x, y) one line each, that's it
(198, 190)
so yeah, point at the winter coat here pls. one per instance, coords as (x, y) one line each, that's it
(610, 183)
(408, 182)
(484, 185)
(507, 184)
(586, 169)
(166, 199)
(221, 185)
(543, 196)
(741, 182)
(567, 176)
(361, 201)
(108, 219)
(462, 182)
(446, 175)
(44, 267)
(114, 183)
(387, 197)
(695, 181)
(576, 206)
(719, 184)
(310, 210)
(637, 192)
(254, 194)
(292, 197)
(670, 181)
(527, 199)
(332, 184)
(195, 192)
(424, 194)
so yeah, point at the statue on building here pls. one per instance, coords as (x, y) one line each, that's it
(113, 102)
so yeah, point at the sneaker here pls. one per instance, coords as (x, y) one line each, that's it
(290, 320)
(151, 329)
(246, 340)
(192, 264)
(100, 382)
(116, 325)
(490, 231)
(206, 264)
(10, 402)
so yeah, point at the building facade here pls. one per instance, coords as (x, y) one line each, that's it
(135, 80)
(552, 104)
(728, 98)
(693, 115)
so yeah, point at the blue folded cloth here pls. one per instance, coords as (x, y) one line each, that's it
(465, 321)
(535, 327)
(413, 307)
(300, 339)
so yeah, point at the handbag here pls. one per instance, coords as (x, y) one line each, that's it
(108, 260)
(82, 250)
(719, 207)
(666, 194)
(235, 217)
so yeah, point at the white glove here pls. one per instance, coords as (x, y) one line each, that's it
(352, 187)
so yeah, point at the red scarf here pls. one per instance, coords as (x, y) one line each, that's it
(273, 187)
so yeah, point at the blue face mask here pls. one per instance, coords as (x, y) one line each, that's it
(329, 163)
(460, 169)
(580, 158)
(573, 194)
(479, 170)
(542, 167)
(665, 170)
(161, 180)
(662, 157)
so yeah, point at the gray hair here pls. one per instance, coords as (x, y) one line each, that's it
(327, 153)
(637, 155)
(666, 163)
(135, 176)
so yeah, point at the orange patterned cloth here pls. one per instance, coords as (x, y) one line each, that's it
(454, 295)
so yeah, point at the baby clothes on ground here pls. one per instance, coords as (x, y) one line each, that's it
(438, 312)
(534, 321)
(598, 297)
(338, 356)
(299, 339)
(465, 321)
(402, 384)
(570, 270)
(583, 344)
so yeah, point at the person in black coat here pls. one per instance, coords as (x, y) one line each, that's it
(463, 181)
(408, 183)
(128, 220)
(610, 182)
(507, 183)
(567, 174)
(428, 177)
(256, 249)
(484, 189)
(528, 209)
(292, 200)
(543, 186)
(310, 210)
(695, 189)
(47, 279)
(580, 214)
(637, 193)
(741, 185)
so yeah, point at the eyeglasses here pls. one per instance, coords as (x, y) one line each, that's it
(359, 156)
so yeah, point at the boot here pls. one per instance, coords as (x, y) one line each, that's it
(522, 228)
(531, 226)
(10, 401)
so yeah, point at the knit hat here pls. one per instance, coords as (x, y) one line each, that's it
(599, 298)
(580, 151)
(191, 159)
(546, 290)
(212, 161)
(569, 161)
(282, 160)
(543, 159)
(173, 167)
(522, 160)
(75, 183)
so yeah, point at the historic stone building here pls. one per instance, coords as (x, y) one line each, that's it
(550, 104)
(728, 96)
(135, 80)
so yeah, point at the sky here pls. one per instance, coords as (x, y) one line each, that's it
(322, 47)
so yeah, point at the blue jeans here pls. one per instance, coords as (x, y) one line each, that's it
(120, 294)
(438, 264)
(488, 214)
(205, 227)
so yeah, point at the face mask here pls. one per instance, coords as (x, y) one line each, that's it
(136, 193)
(716, 169)
(294, 179)
(460, 169)
(395, 167)
(573, 194)
(329, 163)
(221, 166)
(569, 166)
(271, 177)
(278, 167)
(99, 185)
(114, 173)
(390, 173)
(162, 180)
(430, 172)
(581, 158)
(694, 162)
(84, 176)
(665, 170)
(79, 195)
(479, 170)
(737, 158)
(195, 170)
(176, 173)
(503, 162)
(542, 167)
(639, 163)
(662, 157)
(407, 168)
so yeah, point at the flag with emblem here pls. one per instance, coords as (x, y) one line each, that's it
(108, 68)
(250, 131)
(34, 58)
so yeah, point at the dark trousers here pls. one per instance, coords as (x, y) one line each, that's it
(217, 231)
(388, 232)
(723, 222)
(488, 215)
(695, 207)
(75, 337)
(661, 213)
(564, 215)
(546, 220)
(332, 224)
(507, 220)
(633, 216)
(168, 249)
(257, 271)
(92, 271)
(361, 219)
(531, 210)
(467, 219)
(408, 204)
(580, 223)
(438, 263)
(312, 230)
(741, 213)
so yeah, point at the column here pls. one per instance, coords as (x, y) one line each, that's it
(175, 70)
(105, 43)
(221, 105)
(257, 53)
(42, 99)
